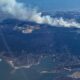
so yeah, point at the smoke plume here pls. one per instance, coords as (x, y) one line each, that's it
(20, 11)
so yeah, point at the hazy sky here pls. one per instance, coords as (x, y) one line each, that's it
(53, 5)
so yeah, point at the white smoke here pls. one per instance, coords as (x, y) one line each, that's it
(14, 8)
(65, 23)
(20, 11)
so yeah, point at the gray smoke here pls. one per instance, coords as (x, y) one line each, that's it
(20, 11)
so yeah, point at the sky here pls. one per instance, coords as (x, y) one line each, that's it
(54, 5)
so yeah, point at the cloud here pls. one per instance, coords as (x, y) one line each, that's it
(20, 11)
